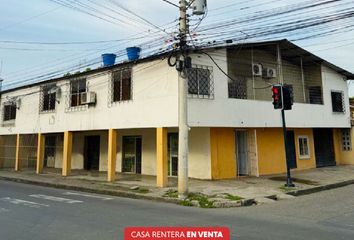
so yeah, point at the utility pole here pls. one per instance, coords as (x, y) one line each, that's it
(183, 129)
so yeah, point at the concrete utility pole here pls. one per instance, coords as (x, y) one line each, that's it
(183, 129)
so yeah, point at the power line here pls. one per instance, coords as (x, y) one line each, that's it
(30, 18)
(171, 3)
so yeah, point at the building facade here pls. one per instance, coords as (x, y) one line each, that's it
(124, 118)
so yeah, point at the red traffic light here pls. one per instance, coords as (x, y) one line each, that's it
(277, 99)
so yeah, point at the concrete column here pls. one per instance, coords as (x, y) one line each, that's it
(67, 151)
(17, 159)
(161, 157)
(112, 153)
(40, 153)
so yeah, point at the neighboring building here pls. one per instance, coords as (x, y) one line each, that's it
(124, 118)
(346, 137)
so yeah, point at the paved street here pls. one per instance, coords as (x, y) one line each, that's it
(32, 212)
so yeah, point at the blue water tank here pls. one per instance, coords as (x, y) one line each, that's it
(133, 53)
(108, 59)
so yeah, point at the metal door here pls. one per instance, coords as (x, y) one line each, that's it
(241, 153)
(324, 149)
(132, 153)
(92, 153)
(173, 154)
(291, 150)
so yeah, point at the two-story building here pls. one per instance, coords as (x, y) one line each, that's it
(124, 118)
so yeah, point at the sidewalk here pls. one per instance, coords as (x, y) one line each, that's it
(226, 193)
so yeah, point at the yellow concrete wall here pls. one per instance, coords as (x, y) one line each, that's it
(305, 163)
(223, 154)
(271, 152)
(343, 157)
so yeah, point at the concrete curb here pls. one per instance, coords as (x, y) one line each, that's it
(320, 188)
(133, 195)
(117, 193)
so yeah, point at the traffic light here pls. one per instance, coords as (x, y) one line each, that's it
(280, 94)
(288, 97)
(277, 98)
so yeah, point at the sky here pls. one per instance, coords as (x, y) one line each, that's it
(47, 21)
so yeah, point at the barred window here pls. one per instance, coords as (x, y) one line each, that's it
(238, 87)
(76, 88)
(9, 111)
(337, 102)
(304, 151)
(122, 85)
(48, 98)
(315, 95)
(346, 140)
(200, 82)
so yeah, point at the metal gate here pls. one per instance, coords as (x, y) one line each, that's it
(324, 149)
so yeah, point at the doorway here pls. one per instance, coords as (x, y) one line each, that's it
(92, 153)
(291, 150)
(49, 151)
(172, 154)
(324, 148)
(242, 153)
(132, 150)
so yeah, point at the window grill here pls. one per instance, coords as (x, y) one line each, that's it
(47, 98)
(315, 95)
(76, 88)
(238, 87)
(73, 99)
(200, 82)
(9, 111)
(338, 105)
(121, 85)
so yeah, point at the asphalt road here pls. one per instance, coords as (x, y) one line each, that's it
(33, 212)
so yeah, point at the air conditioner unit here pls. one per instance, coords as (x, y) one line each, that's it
(88, 98)
(269, 73)
(257, 70)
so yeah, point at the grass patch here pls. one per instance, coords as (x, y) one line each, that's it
(203, 200)
(142, 190)
(232, 197)
(185, 203)
(171, 193)
(286, 189)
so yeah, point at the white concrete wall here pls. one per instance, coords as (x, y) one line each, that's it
(199, 156)
(77, 159)
(154, 104)
(148, 161)
(226, 112)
